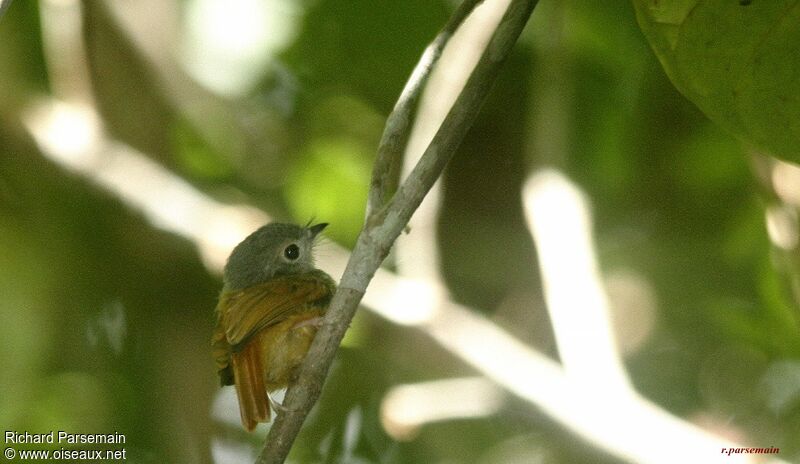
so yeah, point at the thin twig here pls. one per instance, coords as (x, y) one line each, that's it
(381, 230)
(386, 170)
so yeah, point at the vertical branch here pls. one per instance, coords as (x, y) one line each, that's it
(382, 228)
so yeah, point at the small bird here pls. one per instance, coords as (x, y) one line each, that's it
(271, 305)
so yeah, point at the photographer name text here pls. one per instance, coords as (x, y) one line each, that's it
(62, 437)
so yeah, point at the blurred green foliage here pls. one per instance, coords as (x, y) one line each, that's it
(737, 61)
(332, 184)
(105, 319)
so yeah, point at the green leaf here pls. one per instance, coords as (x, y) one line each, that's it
(737, 61)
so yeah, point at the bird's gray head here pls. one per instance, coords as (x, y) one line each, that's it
(273, 250)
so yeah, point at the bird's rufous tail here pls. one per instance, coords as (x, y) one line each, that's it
(248, 370)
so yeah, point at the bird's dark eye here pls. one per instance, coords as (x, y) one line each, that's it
(291, 252)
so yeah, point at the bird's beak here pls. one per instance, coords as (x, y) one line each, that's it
(316, 229)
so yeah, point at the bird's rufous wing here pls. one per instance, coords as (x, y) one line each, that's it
(242, 315)
(245, 312)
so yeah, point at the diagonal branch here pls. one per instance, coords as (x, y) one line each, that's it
(382, 228)
(386, 171)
